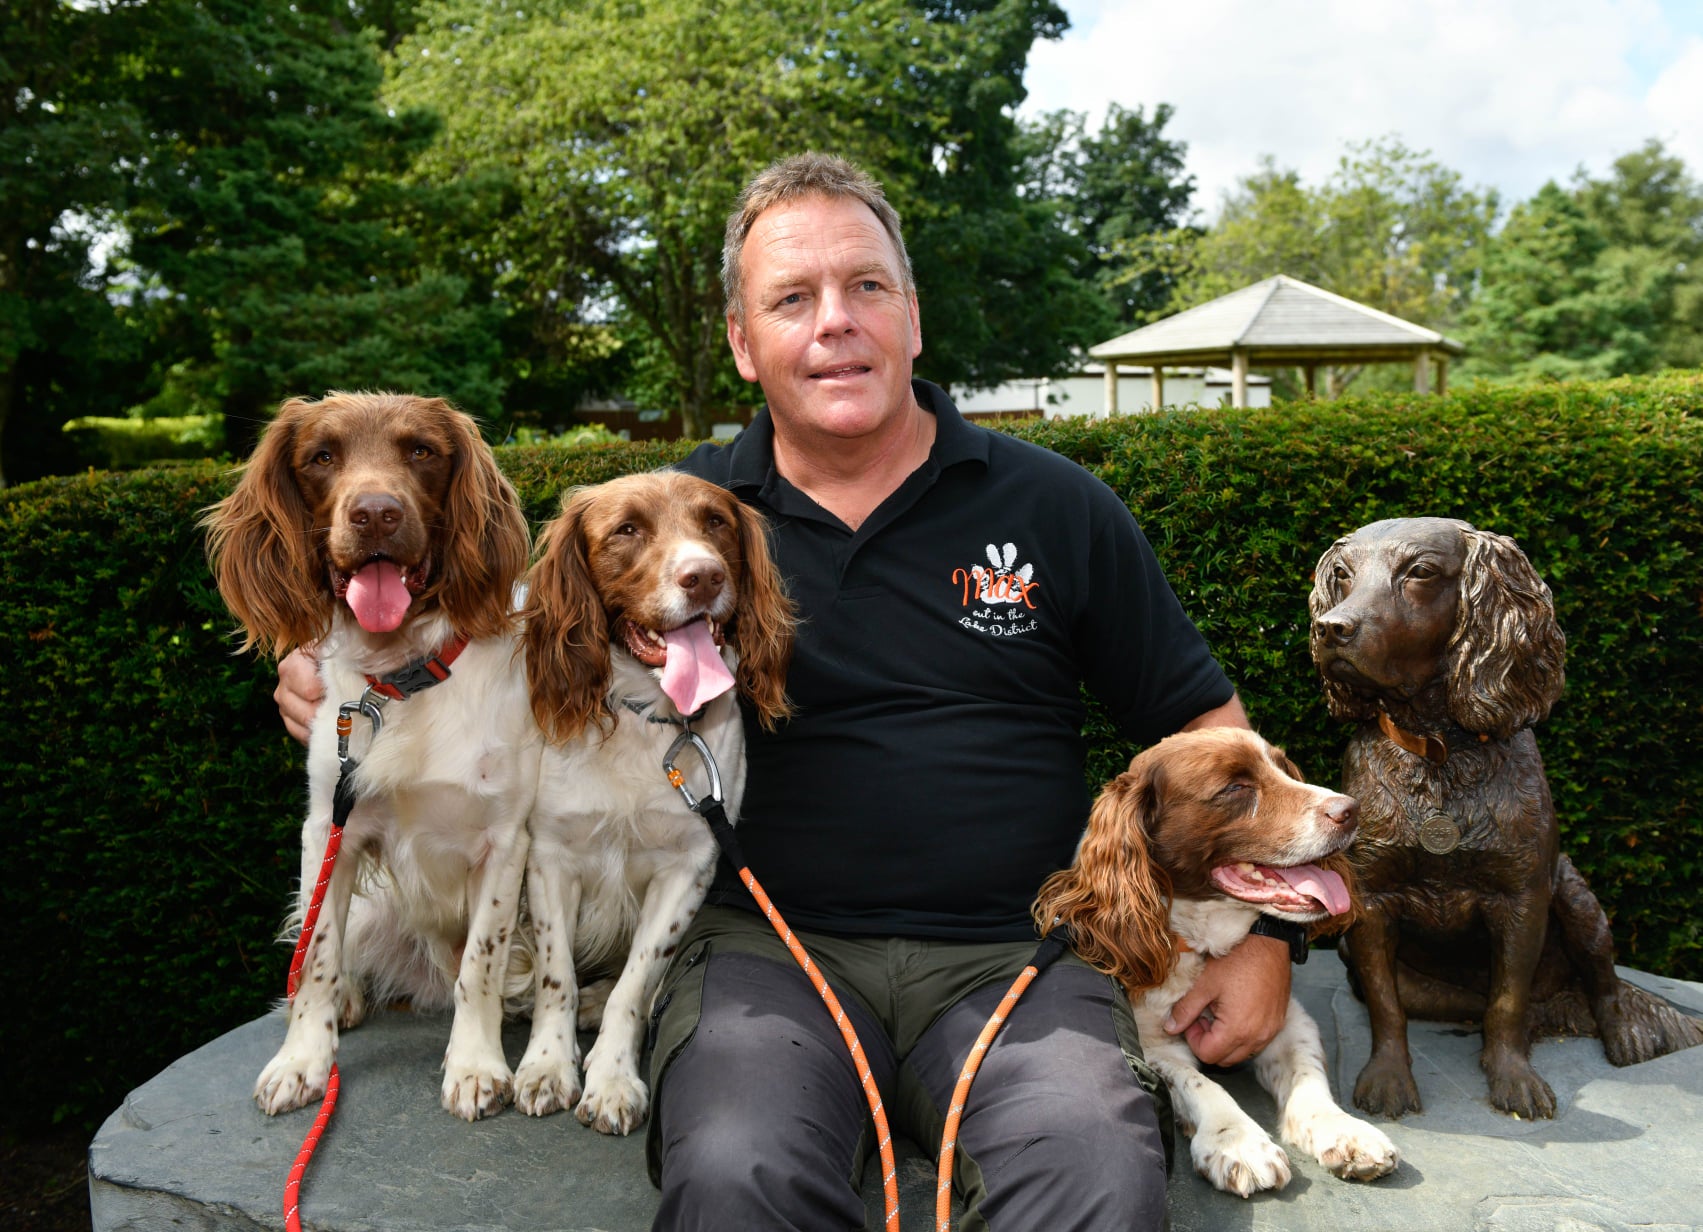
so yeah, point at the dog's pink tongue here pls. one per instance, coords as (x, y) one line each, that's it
(378, 597)
(693, 673)
(1319, 883)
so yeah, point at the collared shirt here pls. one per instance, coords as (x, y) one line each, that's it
(932, 774)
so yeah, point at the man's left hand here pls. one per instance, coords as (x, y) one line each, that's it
(1238, 1004)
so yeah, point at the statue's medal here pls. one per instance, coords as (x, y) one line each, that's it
(1439, 834)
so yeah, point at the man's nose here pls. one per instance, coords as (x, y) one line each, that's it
(834, 315)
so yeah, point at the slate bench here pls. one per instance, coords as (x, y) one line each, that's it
(190, 1150)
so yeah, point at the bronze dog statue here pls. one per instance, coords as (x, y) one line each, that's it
(1440, 641)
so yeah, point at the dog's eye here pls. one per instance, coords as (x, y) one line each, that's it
(1340, 573)
(323, 458)
(715, 521)
(1231, 790)
(627, 528)
(422, 452)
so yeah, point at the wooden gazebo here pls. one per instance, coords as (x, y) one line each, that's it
(1280, 322)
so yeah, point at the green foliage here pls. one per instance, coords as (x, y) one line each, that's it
(155, 847)
(1392, 228)
(109, 443)
(1600, 280)
(65, 127)
(1117, 191)
(270, 209)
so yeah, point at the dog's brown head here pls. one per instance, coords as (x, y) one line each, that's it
(632, 564)
(386, 504)
(1202, 814)
(1432, 618)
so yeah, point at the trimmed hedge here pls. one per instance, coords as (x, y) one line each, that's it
(155, 799)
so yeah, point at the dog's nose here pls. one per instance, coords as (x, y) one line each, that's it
(700, 578)
(1342, 811)
(1335, 626)
(376, 512)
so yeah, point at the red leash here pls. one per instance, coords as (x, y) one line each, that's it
(399, 685)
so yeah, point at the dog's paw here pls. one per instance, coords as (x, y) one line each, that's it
(1387, 1089)
(1239, 1159)
(351, 1004)
(1347, 1146)
(1516, 1088)
(616, 1104)
(474, 1091)
(542, 1086)
(592, 998)
(293, 1078)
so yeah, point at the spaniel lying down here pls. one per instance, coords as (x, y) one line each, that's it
(1217, 825)
(378, 526)
(653, 606)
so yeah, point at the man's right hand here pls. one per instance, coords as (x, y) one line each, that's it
(299, 691)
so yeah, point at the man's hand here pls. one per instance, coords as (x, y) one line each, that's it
(1238, 1003)
(299, 691)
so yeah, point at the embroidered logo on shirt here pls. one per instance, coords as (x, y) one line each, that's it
(998, 598)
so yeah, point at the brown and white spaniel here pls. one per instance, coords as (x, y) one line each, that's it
(1206, 831)
(654, 605)
(378, 527)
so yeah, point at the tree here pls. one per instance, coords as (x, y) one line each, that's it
(624, 131)
(1600, 280)
(1392, 228)
(280, 249)
(1120, 192)
(64, 127)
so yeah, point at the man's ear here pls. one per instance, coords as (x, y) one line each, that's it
(916, 324)
(741, 348)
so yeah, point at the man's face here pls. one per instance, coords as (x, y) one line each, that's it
(830, 330)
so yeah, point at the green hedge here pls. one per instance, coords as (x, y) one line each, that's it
(154, 799)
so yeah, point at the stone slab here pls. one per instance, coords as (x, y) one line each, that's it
(189, 1150)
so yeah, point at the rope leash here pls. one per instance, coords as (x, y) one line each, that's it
(710, 808)
(1052, 946)
(399, 685)
(342, 804)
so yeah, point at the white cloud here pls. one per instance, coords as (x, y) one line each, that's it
(1509, 93)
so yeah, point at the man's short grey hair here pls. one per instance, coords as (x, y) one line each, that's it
(793, 179)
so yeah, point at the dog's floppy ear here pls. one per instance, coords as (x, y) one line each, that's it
(1326, 594)
(486, 542)
(566, 634)
(260, 544)
(1114, 899)
(1507, 657)
(763, 622)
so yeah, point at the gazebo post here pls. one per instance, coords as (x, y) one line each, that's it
(1238, 377)
(1422, 372)
(1310, 372)
(1111, 388)
(1158, 387)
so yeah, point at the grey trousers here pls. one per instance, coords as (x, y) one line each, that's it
(758, 1120)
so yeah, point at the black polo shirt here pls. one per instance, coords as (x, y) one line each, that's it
(932, 775)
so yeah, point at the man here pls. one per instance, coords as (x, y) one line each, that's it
(956, 587)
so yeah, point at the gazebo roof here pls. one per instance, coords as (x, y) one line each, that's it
(1278, 321)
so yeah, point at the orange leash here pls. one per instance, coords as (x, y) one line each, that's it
(1052, 946)
(711, 810)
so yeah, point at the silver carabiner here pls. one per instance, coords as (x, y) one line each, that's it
(678, 777)
(371, 704)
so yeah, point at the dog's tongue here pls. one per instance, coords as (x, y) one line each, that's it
(693, 673)
(1319, 883)
(378, 597)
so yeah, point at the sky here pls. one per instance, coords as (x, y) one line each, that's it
(1509, 93)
